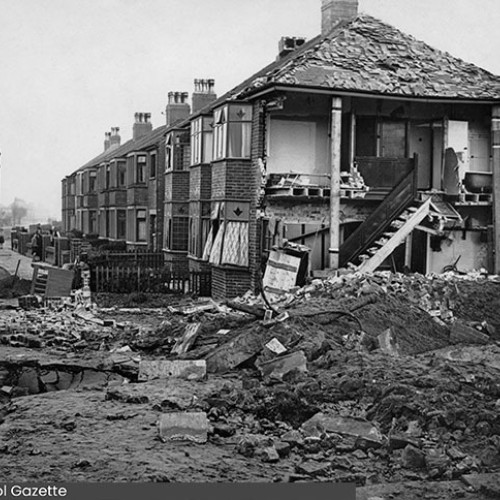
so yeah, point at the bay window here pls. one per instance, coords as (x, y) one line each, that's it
(232, 131)
(201, 140)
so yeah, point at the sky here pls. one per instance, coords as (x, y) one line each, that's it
(72, 69)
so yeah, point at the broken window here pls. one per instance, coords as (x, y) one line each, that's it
(230, 245)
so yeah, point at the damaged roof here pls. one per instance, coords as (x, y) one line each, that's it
(368, 55)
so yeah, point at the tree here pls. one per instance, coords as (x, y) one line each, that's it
(19, 210)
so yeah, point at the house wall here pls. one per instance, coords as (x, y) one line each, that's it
(470, 246)
(298, 146)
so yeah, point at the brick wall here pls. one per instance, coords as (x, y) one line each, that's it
(257, 152)
(240, 180)
(137, 196)
(176, 186)
(229, 283)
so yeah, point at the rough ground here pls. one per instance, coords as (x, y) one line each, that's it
(415, 418)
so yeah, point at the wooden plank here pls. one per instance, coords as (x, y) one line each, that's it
(495, 142)
(335, 153)
(370, 265)
(185, 342)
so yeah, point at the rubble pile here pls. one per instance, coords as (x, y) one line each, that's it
(372, 379)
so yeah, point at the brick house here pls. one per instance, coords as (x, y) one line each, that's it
(364, 144)
(377, 150)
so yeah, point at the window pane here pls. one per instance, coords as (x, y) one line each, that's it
(239, 140)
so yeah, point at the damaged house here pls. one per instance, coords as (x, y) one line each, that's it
(363, 144)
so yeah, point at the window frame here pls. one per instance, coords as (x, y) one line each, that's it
(229, 119)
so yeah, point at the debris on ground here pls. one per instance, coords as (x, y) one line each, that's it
(384, 380)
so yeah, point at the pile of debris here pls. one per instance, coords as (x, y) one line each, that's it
(360, 378)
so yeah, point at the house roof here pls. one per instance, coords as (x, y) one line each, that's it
(144, 142)
(367, 55)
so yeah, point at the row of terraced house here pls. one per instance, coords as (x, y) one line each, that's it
(363, 144)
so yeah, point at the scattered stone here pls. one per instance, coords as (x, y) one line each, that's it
(283, 448)
(488, 484)
(387, 342)
(413, 458)
(293, 437)
(400, 441)
(313, 468)
(269, 455)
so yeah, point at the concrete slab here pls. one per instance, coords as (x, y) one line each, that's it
(279, 367)
(162, 369)
(327, 422)
(184, 426)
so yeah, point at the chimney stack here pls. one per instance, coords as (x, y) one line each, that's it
(335, 11)
(142, 125)
(203, 94)
(114, 138)
(178, 108)
(107, 140)
(289, 44)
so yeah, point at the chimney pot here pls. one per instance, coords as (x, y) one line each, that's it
(142, 126)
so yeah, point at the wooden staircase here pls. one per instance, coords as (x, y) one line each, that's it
(379, 222)
(401, 228)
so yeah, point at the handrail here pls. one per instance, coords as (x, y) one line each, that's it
(393, 205)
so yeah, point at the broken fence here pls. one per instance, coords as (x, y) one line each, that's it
(128, 279)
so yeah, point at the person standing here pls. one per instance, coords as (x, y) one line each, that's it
(36, 245)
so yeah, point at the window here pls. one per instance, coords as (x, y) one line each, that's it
(121, 173)
(121, 224)
(93, 222)
(169, 153)
(107, 228)
(140, 170)
(92, 181)
(232, 131)
(141, 225)
(201, 140)
(108, 177)
(152, 166)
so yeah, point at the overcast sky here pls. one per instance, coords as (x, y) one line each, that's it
(72, 69)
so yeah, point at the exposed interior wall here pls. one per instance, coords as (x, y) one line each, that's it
(298, 146)
(468, 126)
(473, 252)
